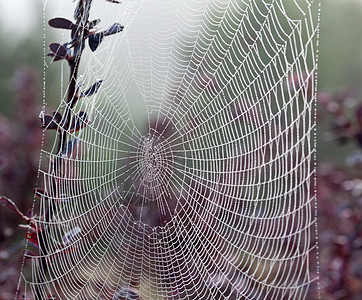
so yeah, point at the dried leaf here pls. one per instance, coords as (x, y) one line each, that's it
(114, 1)
(51, 122)
(48, 122)
(92, 90)
(79, 121)
(94, 23)
(59, 51)
(115, 28)
(94, 40)
(56, 58)
(57, 116)
(62, 23)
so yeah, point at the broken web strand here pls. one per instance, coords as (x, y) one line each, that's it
(194, 177)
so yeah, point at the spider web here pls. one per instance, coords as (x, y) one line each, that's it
(194, 178)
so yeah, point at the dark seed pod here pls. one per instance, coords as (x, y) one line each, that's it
(92, 90)
(94, 23)
(94, 40)
(115, 28)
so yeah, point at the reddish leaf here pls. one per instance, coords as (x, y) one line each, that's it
(92, 90)
(62, 23)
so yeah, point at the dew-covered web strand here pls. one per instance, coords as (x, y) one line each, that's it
(233, 100)
(213, 172)
(195, 73)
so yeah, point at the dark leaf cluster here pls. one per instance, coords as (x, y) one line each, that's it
(79, 33)
(66, 122)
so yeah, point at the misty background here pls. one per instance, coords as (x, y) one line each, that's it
(339, 144)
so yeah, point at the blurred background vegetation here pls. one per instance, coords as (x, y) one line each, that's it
(339, 145)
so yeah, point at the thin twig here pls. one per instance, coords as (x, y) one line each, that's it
(82, 15)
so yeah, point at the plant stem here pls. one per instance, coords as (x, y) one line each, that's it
(82, 11)
(71, 101)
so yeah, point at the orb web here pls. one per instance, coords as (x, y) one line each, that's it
(193, 178)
